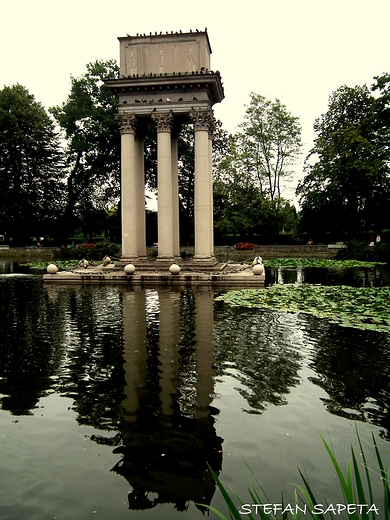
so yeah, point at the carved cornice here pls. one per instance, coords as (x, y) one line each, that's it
(163, 120)
(194, 82)
(127, 122)
(203, 120)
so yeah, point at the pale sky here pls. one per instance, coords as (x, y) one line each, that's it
(296, 50)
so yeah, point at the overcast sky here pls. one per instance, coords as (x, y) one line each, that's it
(296, 50)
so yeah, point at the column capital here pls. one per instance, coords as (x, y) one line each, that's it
(163, 120)
(203, 119)
(127, 122)
(212, 127)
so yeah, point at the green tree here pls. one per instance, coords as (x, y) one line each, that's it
(237, 207)
(92, 147)
(268, 144)
(240, 209)
(30, 166)
(345, 188)
(381, 118)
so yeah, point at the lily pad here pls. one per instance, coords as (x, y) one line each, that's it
(358, 307)
(316, 262)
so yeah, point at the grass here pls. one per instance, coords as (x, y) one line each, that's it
(356, 484)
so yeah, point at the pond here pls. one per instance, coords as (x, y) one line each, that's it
(113, 399)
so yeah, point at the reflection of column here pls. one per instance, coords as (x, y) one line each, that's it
(169, 337)
(204, 350)
(175, 198)
(135, 356)
(128, 183)
(164, 122)
(140, 198)
(203, 188)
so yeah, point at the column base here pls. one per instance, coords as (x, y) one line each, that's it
(166, 259)
(135, 260)
(204, 260)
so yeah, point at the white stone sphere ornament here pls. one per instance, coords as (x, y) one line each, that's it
(174, 269)
(129, 269)
(258, 269)
(52, 269)
(257, 265)
(106, 261)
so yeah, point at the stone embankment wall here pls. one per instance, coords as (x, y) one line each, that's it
(28, 254)
(268, 252)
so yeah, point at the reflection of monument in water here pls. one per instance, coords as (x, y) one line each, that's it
(169, 433)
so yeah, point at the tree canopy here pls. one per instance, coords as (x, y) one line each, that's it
(346, 183)
(249, 175)
(92, 146)
(31, 170)
(267, 144)
(78, 183)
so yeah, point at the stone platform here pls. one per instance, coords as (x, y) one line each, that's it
(228, 275)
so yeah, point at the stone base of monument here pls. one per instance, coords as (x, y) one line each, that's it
(162, 263)
(191, 273)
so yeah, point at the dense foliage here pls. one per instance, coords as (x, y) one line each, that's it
(346, 186)
(248, 182)
(357, 250)
(92, 148)
(31, 172)
(89, 251)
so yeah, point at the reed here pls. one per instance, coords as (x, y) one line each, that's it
(356, 485)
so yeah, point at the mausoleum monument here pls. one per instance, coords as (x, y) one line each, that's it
(166, 80)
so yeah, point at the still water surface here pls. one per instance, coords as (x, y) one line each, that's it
(114, 398)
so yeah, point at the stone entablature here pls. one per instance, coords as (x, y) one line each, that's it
(178, 93)
(164, 53)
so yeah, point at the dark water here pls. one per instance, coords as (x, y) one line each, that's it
(113, 399)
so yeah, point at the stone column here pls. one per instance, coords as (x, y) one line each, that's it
(211, 132)
(128, 182)
(203, 211)
(164, 123)
(140, 199)
(175, 199)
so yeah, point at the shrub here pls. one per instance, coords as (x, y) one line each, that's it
(186, 254)
(357, 250)
(88, 251)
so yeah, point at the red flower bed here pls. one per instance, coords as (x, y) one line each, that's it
(86, 246)
(244, 246)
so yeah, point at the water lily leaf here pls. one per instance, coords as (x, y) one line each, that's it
(357, 307)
